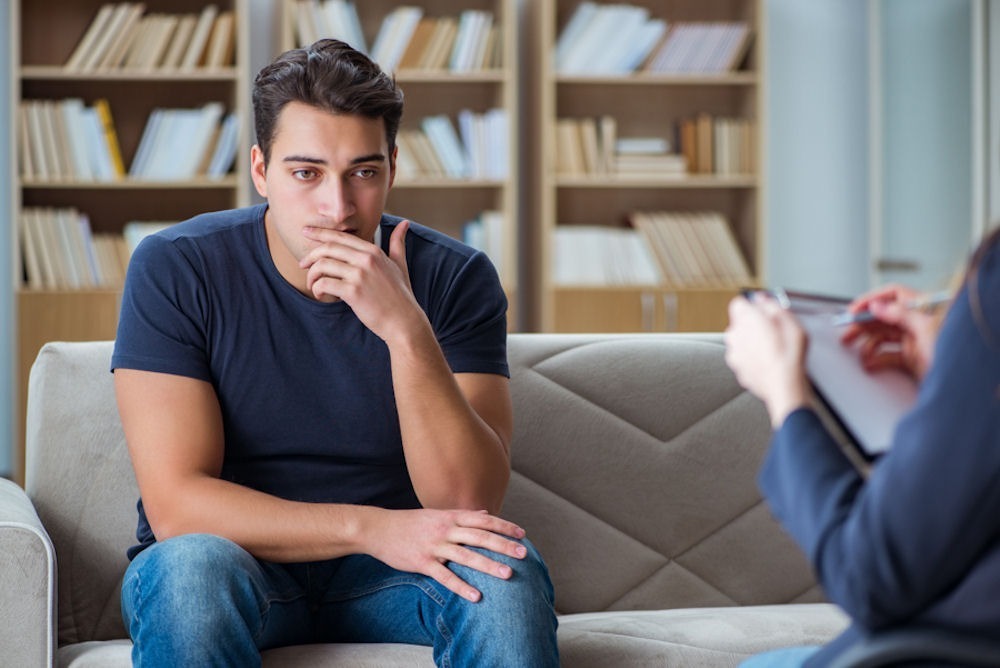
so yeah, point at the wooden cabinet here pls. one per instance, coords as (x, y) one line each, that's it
(646, 104)
(44, 38)
(446, 202)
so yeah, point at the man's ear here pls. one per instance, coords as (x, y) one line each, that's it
(258, 170)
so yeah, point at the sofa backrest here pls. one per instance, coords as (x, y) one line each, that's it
(634, 462)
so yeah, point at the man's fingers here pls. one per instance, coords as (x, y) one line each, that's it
(452, 582)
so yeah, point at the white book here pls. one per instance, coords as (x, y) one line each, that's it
(199, 39)
(645, 41)
(123, 39)
(34, 278)
(476, 55)
(471, 135)
(101, 165)
(578, 21)
(105, 39)
(179, 41)
(196, 141)
(84, 47)
(592, 38)
(394, 36)
(53, 152)
(628, 21)
(38, 230)
(72, 114)
(146, 141)
(344, 24)
(26, 162)
(497, 144)
(447, 145)
(225, 147)
(70, 222)
(470, 23)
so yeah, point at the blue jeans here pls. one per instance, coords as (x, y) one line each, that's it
(791, 657)
(201, 600)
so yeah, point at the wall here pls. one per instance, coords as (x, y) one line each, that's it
(816, 134)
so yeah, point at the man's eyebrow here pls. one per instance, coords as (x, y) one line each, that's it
(373, 157)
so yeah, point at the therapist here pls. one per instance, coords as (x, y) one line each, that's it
(917, 542)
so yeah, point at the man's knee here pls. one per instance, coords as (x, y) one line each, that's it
(528, 587)
(184, 577)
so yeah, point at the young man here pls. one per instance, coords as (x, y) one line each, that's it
(315, 400)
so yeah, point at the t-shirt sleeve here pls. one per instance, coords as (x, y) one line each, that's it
(470, 320)
(164, 309)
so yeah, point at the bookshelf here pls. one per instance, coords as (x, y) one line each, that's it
(604, 182)
(435, 87)
(49, 63)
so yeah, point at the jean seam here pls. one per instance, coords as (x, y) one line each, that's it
(419, 583)
(447, 636)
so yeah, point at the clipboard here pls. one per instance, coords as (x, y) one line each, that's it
(866, 406)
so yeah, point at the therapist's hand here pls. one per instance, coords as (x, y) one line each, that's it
(900, 337)
(765, 348)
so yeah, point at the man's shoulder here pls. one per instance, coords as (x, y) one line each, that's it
(214, 222)
(427, 236)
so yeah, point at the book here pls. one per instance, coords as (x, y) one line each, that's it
(194, 55)
(95, 29)
(343, 23)
(394, 34)
(443, 137)
(105, 39)
(30, 253)
(419, 43)
(26, 162)
(222, 42)
(123, 39)
(226, 144)
(435, 57)
(179, 41)
(103, 109)
(71, 110)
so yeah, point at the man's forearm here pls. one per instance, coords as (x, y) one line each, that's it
(456, 459)
(268, 527)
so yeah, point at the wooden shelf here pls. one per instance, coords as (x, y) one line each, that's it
(643, 104)
(42, 37)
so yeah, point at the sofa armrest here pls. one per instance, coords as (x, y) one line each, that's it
(27, 582)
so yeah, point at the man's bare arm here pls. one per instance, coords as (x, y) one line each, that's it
(173, 428)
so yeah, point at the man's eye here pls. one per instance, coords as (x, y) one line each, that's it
(304, 174)
(366, 173)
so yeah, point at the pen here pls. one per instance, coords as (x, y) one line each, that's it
(927, 302)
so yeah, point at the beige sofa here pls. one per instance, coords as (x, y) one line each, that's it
(634, 473)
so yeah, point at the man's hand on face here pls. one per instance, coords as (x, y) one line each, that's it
(376, 286)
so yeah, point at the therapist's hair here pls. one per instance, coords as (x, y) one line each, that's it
(330, 75)
(971, 279)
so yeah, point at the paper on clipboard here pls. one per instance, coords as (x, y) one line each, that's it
(867, 405)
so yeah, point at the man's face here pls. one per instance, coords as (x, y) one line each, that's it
(326, 170)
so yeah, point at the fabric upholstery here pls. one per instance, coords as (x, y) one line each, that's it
(634, 462)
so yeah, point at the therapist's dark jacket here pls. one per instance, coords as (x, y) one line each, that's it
(919, 542)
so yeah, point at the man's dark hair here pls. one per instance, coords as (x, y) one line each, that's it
(330, 75)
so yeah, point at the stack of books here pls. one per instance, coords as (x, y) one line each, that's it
(181, 144)
(701, 48)
(618, 38)
(65, 140)
(59, 251)
(693, 249)
(592, 147)
(718, 145)
(407, 39)
(122, 36)
(601, 255)
(603, 40)
(476, 150)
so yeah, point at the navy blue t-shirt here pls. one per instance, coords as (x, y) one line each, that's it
(305, 388)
